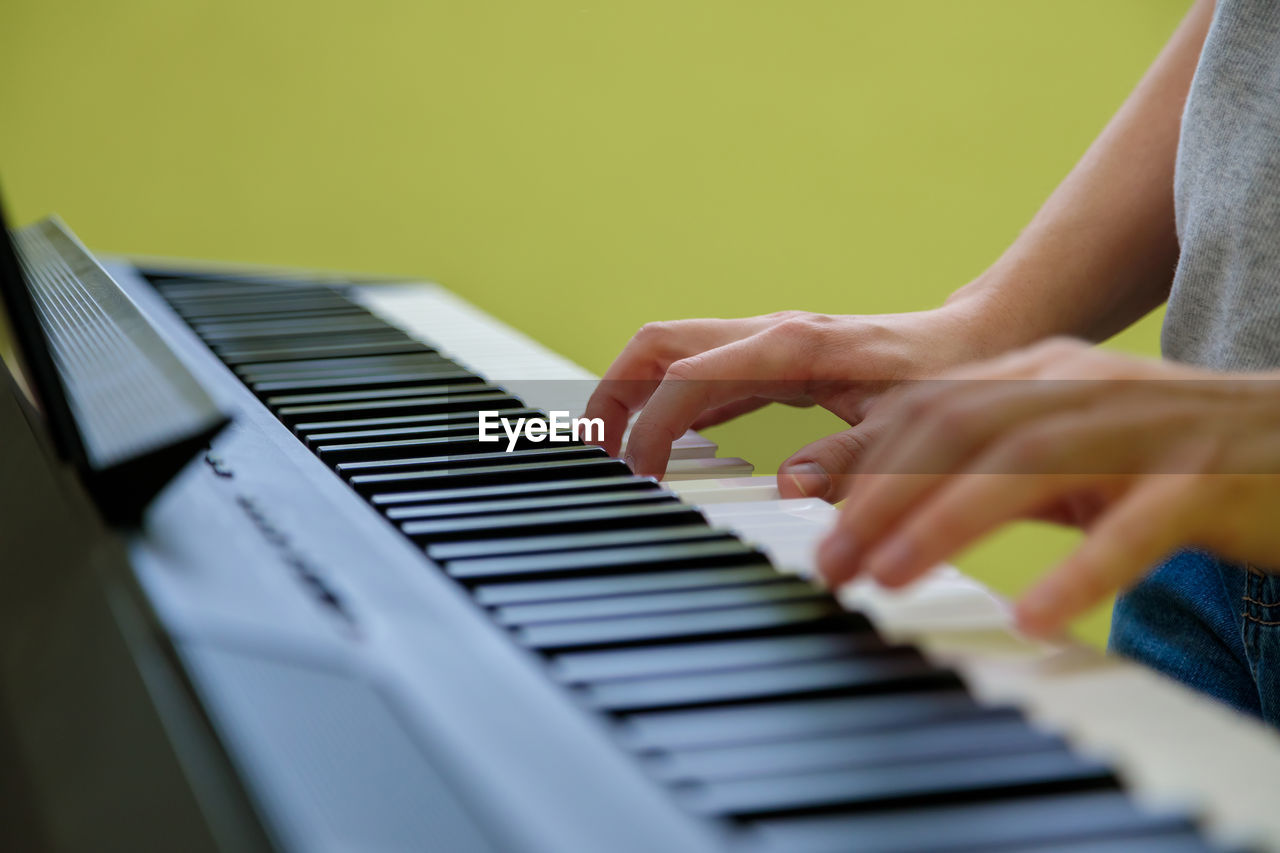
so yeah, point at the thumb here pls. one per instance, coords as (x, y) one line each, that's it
(823, 469)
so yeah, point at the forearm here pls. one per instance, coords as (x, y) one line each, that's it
(1102, 250)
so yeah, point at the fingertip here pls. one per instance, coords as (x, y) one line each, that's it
(894, 564)
(837, 559)
(644, 461)
(804, 480)
(1038, 612)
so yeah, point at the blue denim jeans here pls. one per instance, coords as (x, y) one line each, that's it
(1212, 625)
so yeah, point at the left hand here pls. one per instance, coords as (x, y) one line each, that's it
(1147, 456)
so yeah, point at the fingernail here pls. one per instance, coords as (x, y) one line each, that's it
(888, 562)
(837, 558)
(809, 479)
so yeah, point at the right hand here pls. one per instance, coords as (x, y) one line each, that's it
(698, 373)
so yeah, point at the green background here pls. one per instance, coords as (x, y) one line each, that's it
(578, 168)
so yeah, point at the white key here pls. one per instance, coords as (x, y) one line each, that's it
(714, 467)
(726, 490)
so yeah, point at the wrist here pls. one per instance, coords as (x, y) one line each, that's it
(973, 325)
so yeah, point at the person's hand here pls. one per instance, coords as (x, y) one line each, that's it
(698, 373)
(1147, 456)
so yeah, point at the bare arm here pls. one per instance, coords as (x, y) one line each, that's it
(1101, 251)
(1099, 254)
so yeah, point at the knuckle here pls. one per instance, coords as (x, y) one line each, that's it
(918, 401)
(794, 328)
(1027, 449)
(852, 444)
(838, 454)
(1062, 344)
(1053, 352)
(685, 369)
(956, 421)
(937, 412)
(804, 326)
(652, 332)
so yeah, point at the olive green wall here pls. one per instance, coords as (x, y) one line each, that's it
(580, 168)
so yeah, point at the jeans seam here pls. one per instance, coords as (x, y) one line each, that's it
(1261, 603)
(1250, 617)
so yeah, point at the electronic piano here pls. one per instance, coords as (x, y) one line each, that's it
(339, 622)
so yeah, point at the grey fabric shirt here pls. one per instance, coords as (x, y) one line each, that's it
(1224, 311)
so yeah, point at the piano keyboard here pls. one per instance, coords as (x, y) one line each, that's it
(679, 613)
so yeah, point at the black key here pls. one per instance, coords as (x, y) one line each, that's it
(248, 295)
(552, 521)
(424, 363)
(305, 343)
(282, 330)
(625, 483)
(528, 592)
(427, 405)
(326, 318)
(502, 403)
(580, 667)
(709, 727)
(990, 825)
(950, 780)
(606, 561)
(183, 290)
(468, 460)
(564, 542)
(532, 502)
(466, 384)
(272, 322)
(223, 291)
(493, 475)
(217, 308)
(765, 618)
(717, 598)
(443, 375)
(316, 440)
(330, 350)
(897, 669)
(325, 312)
(327, 366)
(919, 743)
(467, 442)
(212, 286)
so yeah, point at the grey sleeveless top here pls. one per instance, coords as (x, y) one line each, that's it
(1224, 310)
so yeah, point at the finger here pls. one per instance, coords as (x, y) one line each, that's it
(720, 414)
(957, 407)
(638, 369)
(610, 404)
(823, 469)
(905, 523)
(1077, 460)
(1155, 518)
(990, 423)
(937, 429)
(761, 365)
(957, 515)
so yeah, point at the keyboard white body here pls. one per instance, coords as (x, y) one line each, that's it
(1174, 746)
